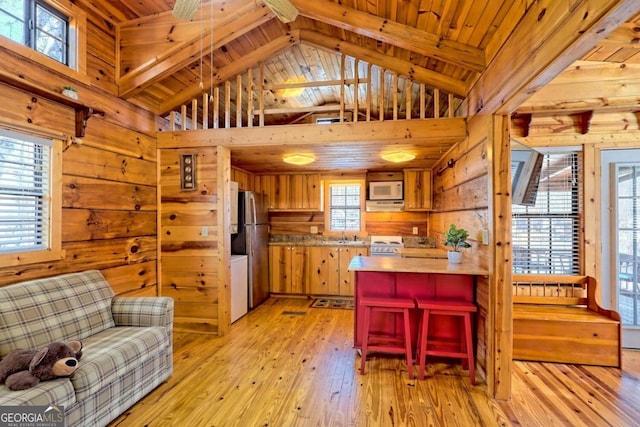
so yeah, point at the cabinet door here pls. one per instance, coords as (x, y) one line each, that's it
(267, 184)
(318, 274)
(279, 269)
(347, 278)
(417, 189)
(314, 192)
(333, 257)
(299, 267)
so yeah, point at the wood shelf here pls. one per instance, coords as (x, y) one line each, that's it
(83, 112)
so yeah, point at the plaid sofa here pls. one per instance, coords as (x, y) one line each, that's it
(127, 343)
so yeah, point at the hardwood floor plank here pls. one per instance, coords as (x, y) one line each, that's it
(286, 364)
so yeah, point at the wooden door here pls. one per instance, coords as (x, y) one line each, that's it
(318, 274)
(279, 269)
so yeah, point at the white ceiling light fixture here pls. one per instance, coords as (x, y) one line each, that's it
(185, 10)
(298, 159)
(398, 156)
(284, 10)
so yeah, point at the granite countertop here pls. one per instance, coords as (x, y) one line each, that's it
(321, 242)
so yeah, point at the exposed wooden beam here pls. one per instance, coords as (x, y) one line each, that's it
(423, 131)
(394, 33)
(228, 27)
(272, 48)
(401, 67)
(547, 40)
(589, 86)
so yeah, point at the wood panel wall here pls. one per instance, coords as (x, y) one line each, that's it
(189, 238)
(461, 197)
(109, 182)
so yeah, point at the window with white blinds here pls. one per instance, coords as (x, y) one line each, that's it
(24, 192)
(545, 235)
(345, 207)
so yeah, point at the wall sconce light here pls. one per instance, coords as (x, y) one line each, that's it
(298, 159)
(451, 163)
(398, 156)
(187, 172)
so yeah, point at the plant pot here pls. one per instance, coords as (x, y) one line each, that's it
(70, 93)
(455, 257)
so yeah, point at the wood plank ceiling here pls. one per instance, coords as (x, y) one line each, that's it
(444, 44)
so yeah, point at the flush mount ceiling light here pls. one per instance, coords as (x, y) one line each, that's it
(185, 9)
(284, 9)
(298, 159)
(398, 156)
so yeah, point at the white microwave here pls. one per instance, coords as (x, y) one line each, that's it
(385, 190)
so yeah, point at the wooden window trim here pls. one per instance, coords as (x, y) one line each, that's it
(55, 251)
(77, 43)
(326, 205)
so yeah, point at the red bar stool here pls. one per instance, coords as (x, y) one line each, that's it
(384, 342)
(430, 347)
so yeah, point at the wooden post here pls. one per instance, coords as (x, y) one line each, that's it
(205, 111)
(216, 107)
(369, 92)
(194, 113)
(238, 101)
(183, 117)
(422, 100)
(356, 86)
(409, 105)
(342, 83)
(436, 103)
(381, 97)
(452, 113)
(592, 192)
(261, 99)
(395, 96)
(223, 191)
(172, 121)
(499, 313)
(250, 98)
(227, 104)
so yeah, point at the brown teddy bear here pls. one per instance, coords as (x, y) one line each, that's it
(23, 369)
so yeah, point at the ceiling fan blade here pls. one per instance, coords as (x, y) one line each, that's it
(185, 10)
(284, 9)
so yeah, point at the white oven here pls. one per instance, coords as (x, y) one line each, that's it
(385, 190)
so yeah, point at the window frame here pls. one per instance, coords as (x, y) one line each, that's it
(576, 214)
(327, 205)
(54, 250)
(77, 51)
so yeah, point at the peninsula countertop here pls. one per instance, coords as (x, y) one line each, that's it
(414, 265)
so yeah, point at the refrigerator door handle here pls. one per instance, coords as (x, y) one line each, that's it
(254, 214)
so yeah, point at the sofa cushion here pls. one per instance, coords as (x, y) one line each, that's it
(60, 308)
(112, 353)
(53, 392)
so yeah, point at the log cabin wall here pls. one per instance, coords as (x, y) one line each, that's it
(461, 197)
(189, 239)
(109, 188)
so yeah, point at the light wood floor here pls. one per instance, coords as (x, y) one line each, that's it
(286, 364)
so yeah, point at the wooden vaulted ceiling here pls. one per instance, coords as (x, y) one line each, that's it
(445, 44)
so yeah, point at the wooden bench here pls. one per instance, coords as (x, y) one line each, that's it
(557, 319)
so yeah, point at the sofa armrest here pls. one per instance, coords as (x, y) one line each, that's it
(143, 311)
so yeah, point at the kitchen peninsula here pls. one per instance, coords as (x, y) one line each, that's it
(411, 278)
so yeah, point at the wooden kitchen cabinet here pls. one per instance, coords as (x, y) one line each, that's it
(328, 272)
(417, 190)
(287, 269)
(291, 192)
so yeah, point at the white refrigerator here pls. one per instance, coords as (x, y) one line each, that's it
(239, 288)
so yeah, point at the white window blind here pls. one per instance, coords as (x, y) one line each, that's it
(344, 207)
(24, 192)
(545, 236)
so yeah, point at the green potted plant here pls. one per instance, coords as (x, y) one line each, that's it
(456, 238)
(70, 92)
